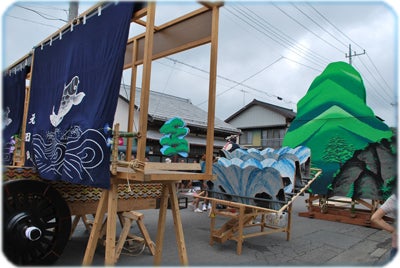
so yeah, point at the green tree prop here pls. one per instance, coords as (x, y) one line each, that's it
(338, 151)
(173, 141)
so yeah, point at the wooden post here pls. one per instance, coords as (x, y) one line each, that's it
(114, 152)
(111, 224)
(289, 223)
(162, 214)
(240, 230)
(21, 157)
(212, 222)
(178, 224)
(131, 116)
(144, 96)
(96, 229)
(212, 91)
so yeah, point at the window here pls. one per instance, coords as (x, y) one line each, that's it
(246, 138)
(272, 138)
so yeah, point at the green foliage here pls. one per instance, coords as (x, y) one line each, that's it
(338, 151)
(334, 120)
(388, 187)
(173, 141)
(351, 191)
(329, 187)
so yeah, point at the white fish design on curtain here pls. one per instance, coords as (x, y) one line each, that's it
(69, 98)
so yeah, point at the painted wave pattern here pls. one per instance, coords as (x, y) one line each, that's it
(252, 172)
(69, 156)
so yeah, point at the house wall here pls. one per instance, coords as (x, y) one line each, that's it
(261, 127)
(121, 116)
(257, 117)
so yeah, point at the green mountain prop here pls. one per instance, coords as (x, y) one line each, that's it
(333, 120)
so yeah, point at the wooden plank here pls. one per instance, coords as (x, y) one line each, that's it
(162, 214)
(357, 217)
(212, 90)
(164, 175)
(122, 237)
(146, 236)
(146, 75)
(96, 229)
(21, 152)
(132, 98)
(318, 172)
(237, 205)
(111, 225)
(171, 166)
(180, 34)
(180, 240)
(240, 231)
(90, 207)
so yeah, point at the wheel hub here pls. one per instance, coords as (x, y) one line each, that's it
(21, 228)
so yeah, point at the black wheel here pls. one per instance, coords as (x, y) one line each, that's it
(36, 222)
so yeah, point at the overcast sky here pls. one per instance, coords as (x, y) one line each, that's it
(269, 51)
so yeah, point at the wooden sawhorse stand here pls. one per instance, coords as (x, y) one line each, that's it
(128, 218)
(108, 203)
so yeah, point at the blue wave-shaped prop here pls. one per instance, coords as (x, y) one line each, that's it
(252, 172)
(248, 182)
(302, 152)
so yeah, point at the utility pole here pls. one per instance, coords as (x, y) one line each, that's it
(354, 55)
(73, 10)
(244, 96)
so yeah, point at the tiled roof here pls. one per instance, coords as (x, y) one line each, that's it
(163, 107)
(287, 113)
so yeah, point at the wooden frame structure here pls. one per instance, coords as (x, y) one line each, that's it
(143, 49)
(242, 216)
(191, 30)
(342, 209)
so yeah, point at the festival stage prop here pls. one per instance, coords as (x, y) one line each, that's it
(355, 149)
(69, 107)
(255, 191)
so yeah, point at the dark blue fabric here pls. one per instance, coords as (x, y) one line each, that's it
(13, 109)
(75, 88)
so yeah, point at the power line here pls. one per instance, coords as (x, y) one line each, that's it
(376, 69)
(45, 16)
(281, 35)
(272, 36)
(304, 65)
(350, 55)
(330, 23)
(316, 23)
(31, 21)
(377, 82)
(246, 79)
(298, 22)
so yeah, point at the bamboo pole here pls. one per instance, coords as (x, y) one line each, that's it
(319, 171)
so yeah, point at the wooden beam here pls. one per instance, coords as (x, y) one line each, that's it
(25, 116)
(139, 14)
(212, 91)
(212, 4)
(132, 97)
(145, 93)
(183, 33)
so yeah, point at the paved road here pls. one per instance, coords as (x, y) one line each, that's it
(313, 242)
